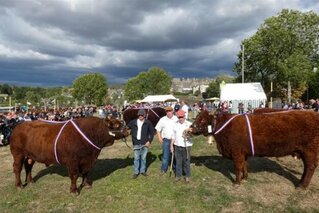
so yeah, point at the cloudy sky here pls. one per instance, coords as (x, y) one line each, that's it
(52, 42)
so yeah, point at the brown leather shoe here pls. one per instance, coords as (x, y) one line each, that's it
(135, 176)
(144, 174)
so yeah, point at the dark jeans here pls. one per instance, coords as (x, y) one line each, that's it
(183, 159)
(166, 151)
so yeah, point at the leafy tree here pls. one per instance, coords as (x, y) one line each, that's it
(90, 88)
(32, 97)
(52, 92)
(285, 48)
(6, 89)
(155, 81)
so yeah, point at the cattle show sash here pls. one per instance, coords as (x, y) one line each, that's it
(60, 132)
(250, 134)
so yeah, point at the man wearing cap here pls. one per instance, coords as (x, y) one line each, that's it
(164, 129)
(142, 132)
(181, 144)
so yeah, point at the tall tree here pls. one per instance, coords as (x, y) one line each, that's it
(90, 88)
(285, 48)
(6, 89)
(32, 97)
(155, 81)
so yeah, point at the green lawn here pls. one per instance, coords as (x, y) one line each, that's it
(270, 186)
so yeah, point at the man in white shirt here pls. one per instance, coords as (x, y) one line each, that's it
(181, 144)
(165, 133)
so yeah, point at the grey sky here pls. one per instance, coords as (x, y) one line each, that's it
(52, 42)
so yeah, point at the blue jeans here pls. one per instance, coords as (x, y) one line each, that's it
(140, 153)
(166, 150)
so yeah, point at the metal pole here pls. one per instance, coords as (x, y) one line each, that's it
(10, 103)
(54, 107)
(289, 93)
(243, 64)
(171, 166)
(307, 95)
(271, 94)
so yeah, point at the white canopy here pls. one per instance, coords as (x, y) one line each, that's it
(246, 93)
(159, 98)
(239, 91)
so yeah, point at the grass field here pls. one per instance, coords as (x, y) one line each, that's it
(270, 186)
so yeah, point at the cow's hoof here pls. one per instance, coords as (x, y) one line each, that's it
(301, 187)
(236, 185)
(19, 188)
(86, 185)
(75, 193)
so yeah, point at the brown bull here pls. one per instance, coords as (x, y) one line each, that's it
(152, 114)
(275, 134)
(75, 144)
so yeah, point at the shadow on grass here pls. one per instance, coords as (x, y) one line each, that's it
(101, 169)
(256, 164)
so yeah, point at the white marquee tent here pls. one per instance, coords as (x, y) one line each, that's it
(246, 93)
(159, 98)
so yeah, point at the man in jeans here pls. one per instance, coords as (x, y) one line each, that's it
(142, 132)
(182, 144)
(164, 129)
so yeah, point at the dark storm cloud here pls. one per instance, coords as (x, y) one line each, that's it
(53, 42)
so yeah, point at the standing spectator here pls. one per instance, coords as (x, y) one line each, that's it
(230, 107)
(249, 108)
(224, 106)
(196, 110)
(182, 144)
(177, 106)
(142, 131)
(316, 105)
(185, 108)
(240, 108)
(164, 130)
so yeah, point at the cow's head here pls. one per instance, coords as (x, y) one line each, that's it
(203, 123)
(117, 128)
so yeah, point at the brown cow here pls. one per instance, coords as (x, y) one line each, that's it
(75, 144)
(267, 110)
(274, 135)
(153, 114)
